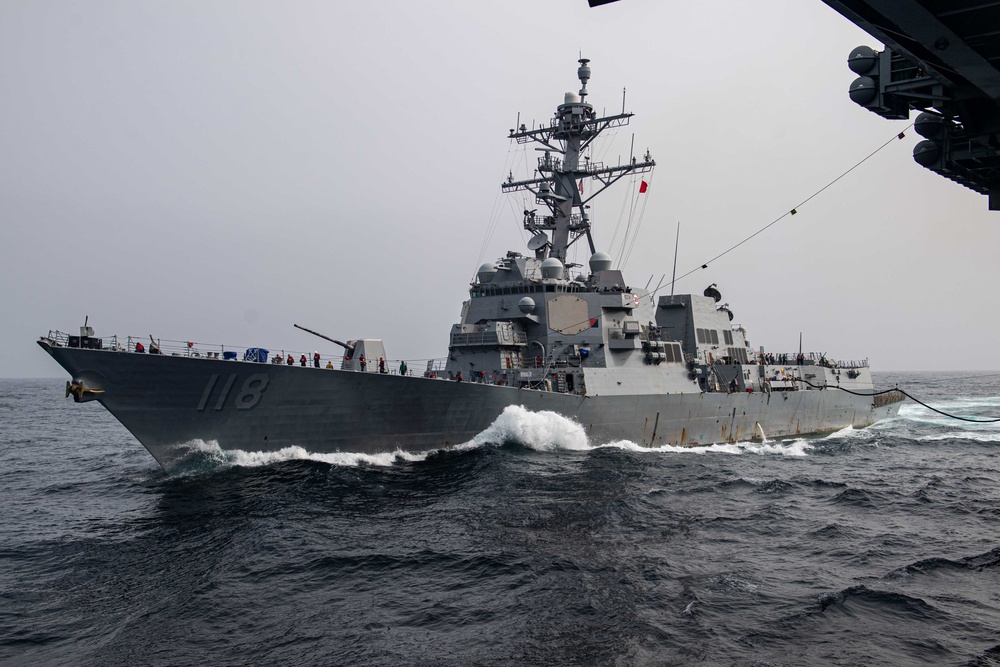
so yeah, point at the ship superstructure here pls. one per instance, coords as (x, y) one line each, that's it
(537, 331)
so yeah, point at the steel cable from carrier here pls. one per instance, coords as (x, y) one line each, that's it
(794, 210)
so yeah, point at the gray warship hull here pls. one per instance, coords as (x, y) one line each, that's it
(170, 402)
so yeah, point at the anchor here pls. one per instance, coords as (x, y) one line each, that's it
(80, 392)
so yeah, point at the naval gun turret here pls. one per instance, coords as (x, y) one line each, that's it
(363, 354)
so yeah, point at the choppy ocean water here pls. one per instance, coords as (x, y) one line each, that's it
(529, 546)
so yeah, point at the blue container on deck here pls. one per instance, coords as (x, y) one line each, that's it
(256, 354)
(229, 355)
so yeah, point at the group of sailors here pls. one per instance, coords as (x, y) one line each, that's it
(382, 368)
(316, 362)
(769, 359)
(303, 361)
(362, 362)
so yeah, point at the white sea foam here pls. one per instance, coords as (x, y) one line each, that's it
(973, 408)
(844, 433)
(783, 448)
(978, 436)
(549, 431)
(199, 450)
(544, 431)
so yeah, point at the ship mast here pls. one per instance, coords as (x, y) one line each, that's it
(558, 184)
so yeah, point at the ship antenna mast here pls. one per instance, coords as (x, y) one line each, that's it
(558, 182)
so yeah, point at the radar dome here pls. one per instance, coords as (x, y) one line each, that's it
(486, 272)
(600, 261)
(552, 268)
(926, 153)
(526, 304)
(862, 60)
(863, 90)
(929, 125)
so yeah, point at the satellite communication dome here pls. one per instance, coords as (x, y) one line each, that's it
(862, 60)
(486, 272)
(526, 304)
(927, 152)
(600, 261)
(863, 90)
(552, 268)
(929, 125)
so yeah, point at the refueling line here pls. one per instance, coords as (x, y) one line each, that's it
(904, 393)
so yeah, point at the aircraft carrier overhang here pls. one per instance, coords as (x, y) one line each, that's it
(941, 58)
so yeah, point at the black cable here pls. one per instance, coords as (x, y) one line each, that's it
(904, 393)
(794, 210)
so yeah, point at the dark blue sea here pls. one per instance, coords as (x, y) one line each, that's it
(529, 547)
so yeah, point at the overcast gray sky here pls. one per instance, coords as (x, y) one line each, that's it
(217, 170)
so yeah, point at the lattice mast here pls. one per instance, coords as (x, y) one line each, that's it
(558, 180)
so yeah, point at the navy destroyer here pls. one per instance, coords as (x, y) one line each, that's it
(537, 331)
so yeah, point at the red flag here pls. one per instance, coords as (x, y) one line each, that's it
(643, 187)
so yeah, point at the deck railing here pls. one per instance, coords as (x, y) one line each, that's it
(197, 350)
(810, 359)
